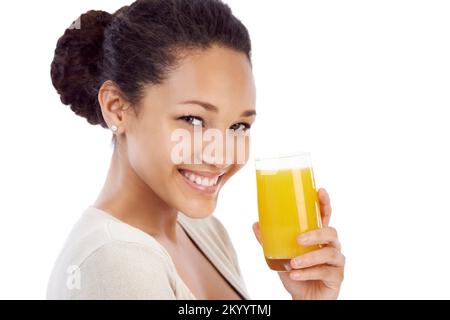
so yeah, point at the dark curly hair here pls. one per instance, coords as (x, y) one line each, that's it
(135, 46)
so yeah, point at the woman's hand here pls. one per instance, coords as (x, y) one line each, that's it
(319, 273)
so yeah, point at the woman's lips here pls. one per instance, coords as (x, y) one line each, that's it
(205, 182)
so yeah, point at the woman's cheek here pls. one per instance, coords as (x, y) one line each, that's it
(242, 151)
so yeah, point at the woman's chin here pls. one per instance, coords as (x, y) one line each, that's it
(200, 210)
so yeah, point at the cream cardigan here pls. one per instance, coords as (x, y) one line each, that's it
(105, 258)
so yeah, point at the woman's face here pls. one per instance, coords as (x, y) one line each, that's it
(209, 89)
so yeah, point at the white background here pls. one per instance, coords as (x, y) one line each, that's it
(363, 85)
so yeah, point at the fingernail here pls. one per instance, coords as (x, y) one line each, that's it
(303, 239)
(297, 262)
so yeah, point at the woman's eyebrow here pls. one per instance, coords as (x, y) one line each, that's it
(248, 113)
(210, 107)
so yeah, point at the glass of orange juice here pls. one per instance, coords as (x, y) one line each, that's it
(288, 205)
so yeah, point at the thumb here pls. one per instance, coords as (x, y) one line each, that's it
(256, 231)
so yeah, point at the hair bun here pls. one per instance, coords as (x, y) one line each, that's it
(76, 66)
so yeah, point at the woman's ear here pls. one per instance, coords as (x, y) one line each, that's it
(113, 104)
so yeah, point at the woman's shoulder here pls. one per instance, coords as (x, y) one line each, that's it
(96, 228)
(106, 258)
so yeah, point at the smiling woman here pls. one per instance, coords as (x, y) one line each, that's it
(147, 72)
(150, 69)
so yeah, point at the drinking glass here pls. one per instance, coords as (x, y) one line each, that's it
(288, 205)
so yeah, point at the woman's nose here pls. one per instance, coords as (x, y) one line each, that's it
(220, 160)
(231, 150)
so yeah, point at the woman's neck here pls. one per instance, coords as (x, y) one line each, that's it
(126, 197)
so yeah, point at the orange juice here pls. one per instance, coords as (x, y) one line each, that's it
(288, 206)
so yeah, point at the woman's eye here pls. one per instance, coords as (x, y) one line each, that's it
(195, 121)
(240, 127)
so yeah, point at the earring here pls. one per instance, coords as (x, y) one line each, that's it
(114, 128)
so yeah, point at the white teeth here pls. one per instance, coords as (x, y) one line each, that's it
(203, 181)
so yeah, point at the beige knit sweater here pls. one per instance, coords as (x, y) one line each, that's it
(105, 258)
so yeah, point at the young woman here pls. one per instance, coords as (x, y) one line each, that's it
(150, 69)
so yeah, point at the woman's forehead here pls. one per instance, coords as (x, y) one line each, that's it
(219, 74)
